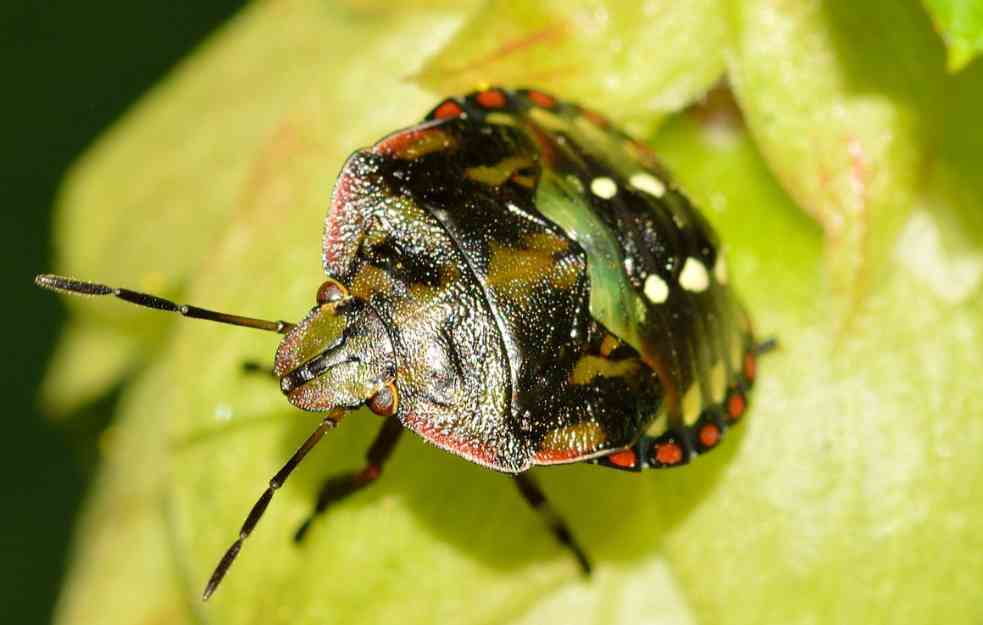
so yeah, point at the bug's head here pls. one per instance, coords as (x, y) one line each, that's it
(340, 355)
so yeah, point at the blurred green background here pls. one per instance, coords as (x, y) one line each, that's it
(71, 68)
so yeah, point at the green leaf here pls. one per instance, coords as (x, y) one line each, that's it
(960, 22)
(635, 58)
(849, 106)
(847, 495)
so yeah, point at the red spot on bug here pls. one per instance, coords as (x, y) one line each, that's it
(448, 110)
(668, 453)
(541, 99)
(625, 458)
(750, 367)
(491, 99)
(736, 405)
(709, 435)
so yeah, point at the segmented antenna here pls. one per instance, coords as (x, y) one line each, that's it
(329, 422)
(80, 287)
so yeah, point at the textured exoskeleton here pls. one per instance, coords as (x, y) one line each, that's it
(533, 288)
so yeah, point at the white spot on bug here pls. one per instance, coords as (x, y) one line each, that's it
(647, 183)
(656, 289)
(603, 187)
(694, 276)
(629, 265)
(720, 269)
(691, 404)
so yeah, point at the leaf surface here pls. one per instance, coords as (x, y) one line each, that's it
(847, 495)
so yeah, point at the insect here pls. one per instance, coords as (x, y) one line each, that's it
(519, 283)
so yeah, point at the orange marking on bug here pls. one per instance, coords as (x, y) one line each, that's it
(541, 99)
(736, 404)
(709, 435)
(750, 367)
(448, 110)
(625, 458)
(668, 453)
(491, 99)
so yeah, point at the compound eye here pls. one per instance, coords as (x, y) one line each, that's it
(386, 401)
(331, 292)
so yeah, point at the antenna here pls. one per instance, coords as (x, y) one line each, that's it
(80, 287)
(330, 421)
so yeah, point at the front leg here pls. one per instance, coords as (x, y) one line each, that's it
(337, 487)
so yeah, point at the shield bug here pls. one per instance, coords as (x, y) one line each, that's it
(519, 283)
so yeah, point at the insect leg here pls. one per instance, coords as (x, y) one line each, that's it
(534, 495)
(337, 487)
(329, 422)
(80, 287)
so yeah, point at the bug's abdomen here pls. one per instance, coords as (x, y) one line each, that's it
(658, 279)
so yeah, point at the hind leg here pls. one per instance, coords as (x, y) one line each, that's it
(537, 499)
